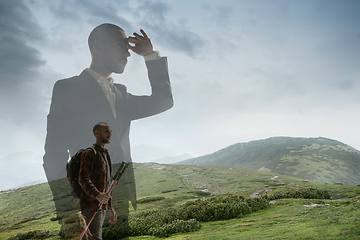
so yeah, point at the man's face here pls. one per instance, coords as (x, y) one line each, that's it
(116, 52)
(105, 134)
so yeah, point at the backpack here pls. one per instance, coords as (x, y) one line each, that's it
(73, 169)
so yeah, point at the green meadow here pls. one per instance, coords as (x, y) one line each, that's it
(29, 213)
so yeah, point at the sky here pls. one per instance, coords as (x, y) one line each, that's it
(241, 70)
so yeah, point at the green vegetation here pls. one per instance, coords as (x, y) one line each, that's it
(181, 195)
(316, 159)
(37, 234)
(307, 193)
(150, 199)
(285, 219)
(187, 217)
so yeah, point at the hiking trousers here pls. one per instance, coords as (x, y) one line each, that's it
(96, 224)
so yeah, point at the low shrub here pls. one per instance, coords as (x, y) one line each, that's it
(57, 218)
(219, 207)
(118, 230)
(305, 193)
(202, 193)
(37, 234)
(174, 227)
(150, 199)
(256, 204)
(187, 217)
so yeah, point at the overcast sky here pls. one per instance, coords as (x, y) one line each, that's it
(241, 70)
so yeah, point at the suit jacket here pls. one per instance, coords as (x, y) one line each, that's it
(78, 103)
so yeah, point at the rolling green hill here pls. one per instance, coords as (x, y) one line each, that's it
(161, 186)
(317, 159)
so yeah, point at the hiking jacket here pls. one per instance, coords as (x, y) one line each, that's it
(94, 177)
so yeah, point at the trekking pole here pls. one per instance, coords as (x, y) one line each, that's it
(115, 180)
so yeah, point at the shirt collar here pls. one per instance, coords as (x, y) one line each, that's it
(94, 74)
(98, 77)
(99, 148)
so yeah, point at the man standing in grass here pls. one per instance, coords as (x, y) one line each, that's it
(81, 101)
(94, 178)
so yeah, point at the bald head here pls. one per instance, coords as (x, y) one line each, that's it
(109, 49)
(102, 34)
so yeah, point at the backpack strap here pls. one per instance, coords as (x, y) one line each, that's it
(96, 157)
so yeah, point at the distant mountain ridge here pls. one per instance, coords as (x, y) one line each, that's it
(173, 159)
(150, 153)
(319, 159)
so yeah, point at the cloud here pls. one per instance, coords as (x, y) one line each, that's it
(232, 64)
(17, 20)
(175, 36)
(152, 16)
(18, 59)
(181, 40)
(69, 24)
(19, 64)
(219, 16)
(91, 12)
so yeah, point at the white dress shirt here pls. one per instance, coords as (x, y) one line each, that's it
(107, 84)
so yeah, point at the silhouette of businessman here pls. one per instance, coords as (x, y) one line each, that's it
(79, 102)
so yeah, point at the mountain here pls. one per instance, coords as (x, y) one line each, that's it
(319, 159)
(149, 153)
(172, 159)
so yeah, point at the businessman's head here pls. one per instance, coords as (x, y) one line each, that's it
(109, 49)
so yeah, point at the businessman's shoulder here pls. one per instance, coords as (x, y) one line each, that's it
(83, 77)
(74, 82)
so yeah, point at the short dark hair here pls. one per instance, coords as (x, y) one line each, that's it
(101, 33)
(98, 126)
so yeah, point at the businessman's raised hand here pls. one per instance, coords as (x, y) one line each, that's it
(141, 44)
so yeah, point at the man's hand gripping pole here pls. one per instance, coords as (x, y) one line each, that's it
(114, 181)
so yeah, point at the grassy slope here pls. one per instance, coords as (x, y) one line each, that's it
(26, 209)
(30, 208)
(318, 159)
(286, 219)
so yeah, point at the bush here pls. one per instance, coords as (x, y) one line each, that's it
(220, 207)
(187, 217)
(57, 218)
(202, 193)
(150, 199)
(118, 230)
(306, 193)
(37, 234)
(256, 204)
(174, 227)
(142, 222)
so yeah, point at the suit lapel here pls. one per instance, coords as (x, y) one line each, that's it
(96, 97)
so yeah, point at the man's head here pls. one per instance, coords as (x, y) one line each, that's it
(109, 48)
(102, 133)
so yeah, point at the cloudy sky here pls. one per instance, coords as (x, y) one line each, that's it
(241, 70)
